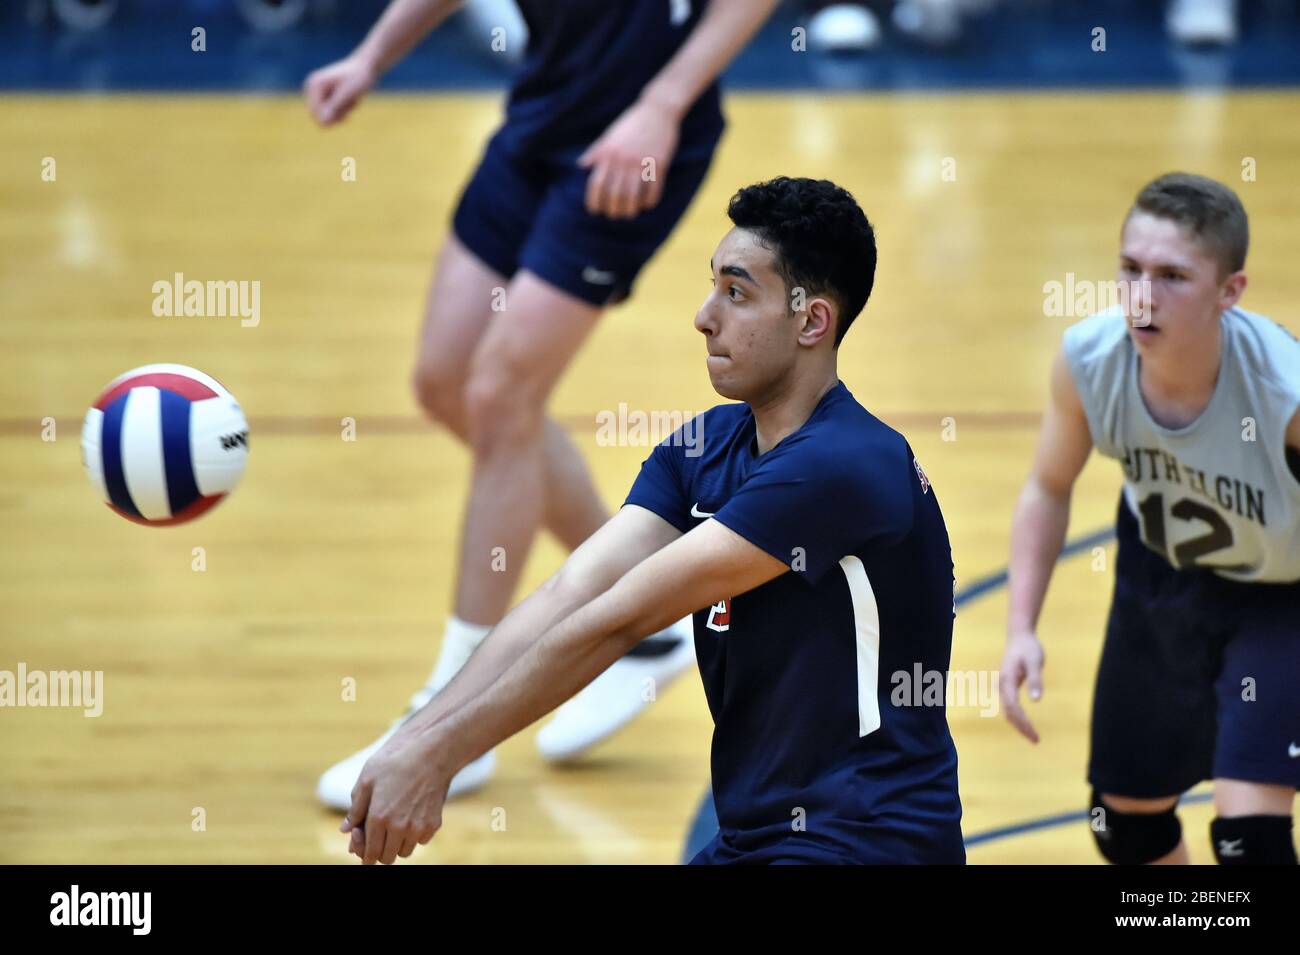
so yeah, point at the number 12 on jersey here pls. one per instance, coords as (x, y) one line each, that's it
(1186, 554)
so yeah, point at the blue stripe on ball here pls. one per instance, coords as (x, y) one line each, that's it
(182, 489)
(111, 449)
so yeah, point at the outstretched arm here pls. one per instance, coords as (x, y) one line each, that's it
(398, 799)
(622, 542)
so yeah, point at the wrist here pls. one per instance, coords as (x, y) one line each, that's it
(438, 750)
(672, 103)
(368, 60)
(1019, 629)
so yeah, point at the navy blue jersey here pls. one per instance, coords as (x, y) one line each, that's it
(587, 61)
(810, 759)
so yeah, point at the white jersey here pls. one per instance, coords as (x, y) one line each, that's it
(1217, 493)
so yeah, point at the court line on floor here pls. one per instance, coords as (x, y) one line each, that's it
(705, 824)
(1061, 819)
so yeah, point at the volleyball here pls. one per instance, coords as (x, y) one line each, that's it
(164, 444)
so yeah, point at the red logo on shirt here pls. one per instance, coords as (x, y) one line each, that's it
(720, 616)
(925, 481)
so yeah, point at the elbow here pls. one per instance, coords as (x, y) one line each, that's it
(1048, 490)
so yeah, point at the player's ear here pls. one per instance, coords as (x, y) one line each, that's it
(816, 322)
(1231, 290)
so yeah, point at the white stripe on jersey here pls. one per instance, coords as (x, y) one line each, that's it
(866, 623)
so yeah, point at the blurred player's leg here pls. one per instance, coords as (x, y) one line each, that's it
(511, 376)
(1257, 753)
(1252, 824)
(514, 368)
(458, 315)
(458, 320)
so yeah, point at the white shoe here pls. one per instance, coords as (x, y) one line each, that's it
(936, 23)
(844, 26)
(334, 788)
(1202, 22)
(459, 640)
(615, 697)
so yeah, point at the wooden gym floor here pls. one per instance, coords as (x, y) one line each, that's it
(334, 558)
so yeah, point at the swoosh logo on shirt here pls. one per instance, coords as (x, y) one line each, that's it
(696, 512)
(1293, 751)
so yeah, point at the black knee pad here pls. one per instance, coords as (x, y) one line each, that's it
(1253, 840)
(1133, 838)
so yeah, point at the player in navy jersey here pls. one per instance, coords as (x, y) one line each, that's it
(609, 129)
(807, 542)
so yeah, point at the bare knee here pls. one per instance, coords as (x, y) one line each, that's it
(1235, 797)
(440, 391)
(504, 407)
(1139, 806)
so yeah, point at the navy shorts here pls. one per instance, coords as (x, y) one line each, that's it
(1199, 678)
(528, 212)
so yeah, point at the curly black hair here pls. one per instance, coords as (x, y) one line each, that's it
(819, 235)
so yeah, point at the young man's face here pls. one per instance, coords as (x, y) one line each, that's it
(1176, 291)
(752, 337)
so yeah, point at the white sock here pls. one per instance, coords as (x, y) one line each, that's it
(459, 641)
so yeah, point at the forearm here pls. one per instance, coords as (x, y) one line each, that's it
(507, 642)
(723, 31)
(627, 537)
(1037, 535)
(694, 571)
(401, 26)
(568, 656)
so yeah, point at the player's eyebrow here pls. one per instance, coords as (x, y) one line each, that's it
(1158, 266)
(737, 272)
